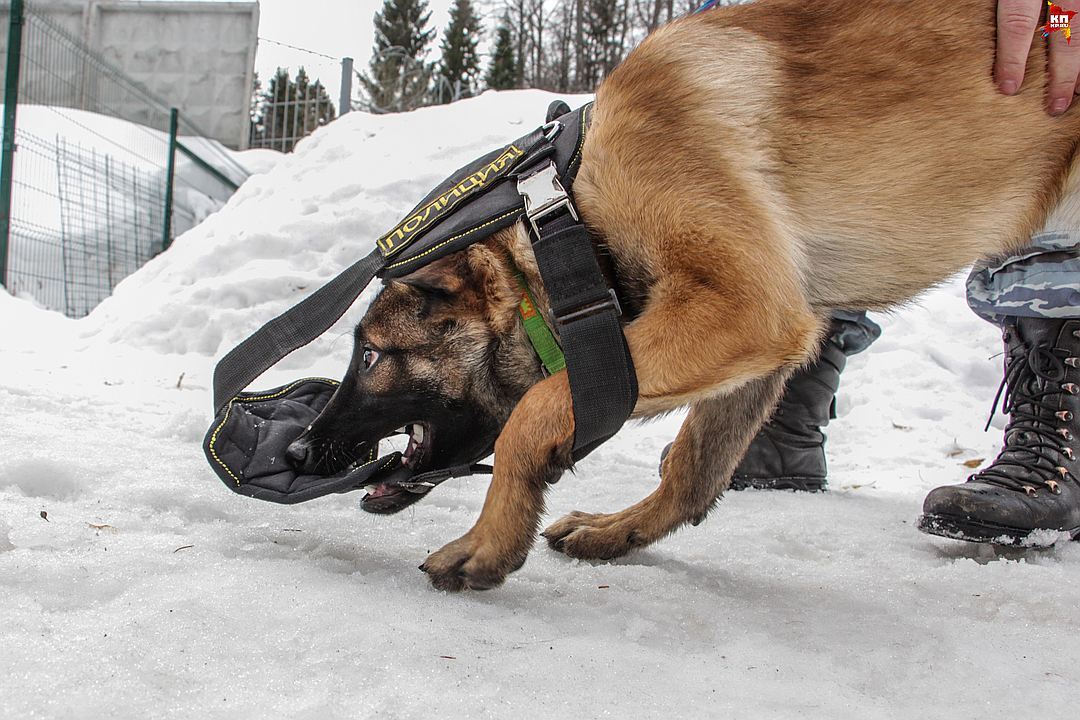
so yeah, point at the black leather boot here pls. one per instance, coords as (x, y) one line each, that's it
(1033, 485)
(788, 452)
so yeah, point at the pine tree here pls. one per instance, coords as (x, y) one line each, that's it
(502, 73)
(398, 78)
(460, 62)
(289, 110)
(256, 95)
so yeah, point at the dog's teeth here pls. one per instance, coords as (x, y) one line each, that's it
(403, 429)
(418, 434)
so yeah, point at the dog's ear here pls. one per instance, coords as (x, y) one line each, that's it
(479, 277)
(441, 279)
(493, 278)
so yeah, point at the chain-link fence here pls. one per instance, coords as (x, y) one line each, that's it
(86, 198)
(394, 81)
(297, 100)
(98, 174)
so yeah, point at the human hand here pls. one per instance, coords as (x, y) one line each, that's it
(1016, 23)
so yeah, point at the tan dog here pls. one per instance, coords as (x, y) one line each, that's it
(749, 170)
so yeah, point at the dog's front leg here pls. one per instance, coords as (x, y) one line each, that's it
(695, 473)
(532, 451)
(726, 354)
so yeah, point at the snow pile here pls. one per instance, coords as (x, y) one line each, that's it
(292, 229)
(133, 584)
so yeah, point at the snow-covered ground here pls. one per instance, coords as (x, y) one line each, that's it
(134, 585)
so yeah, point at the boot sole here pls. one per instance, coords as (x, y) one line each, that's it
(799, 484)
(957, 528)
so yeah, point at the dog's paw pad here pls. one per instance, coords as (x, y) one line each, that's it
(463, 565)
(593, 537)
(445, 573)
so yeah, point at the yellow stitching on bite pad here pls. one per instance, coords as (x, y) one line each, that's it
(228, 409)
(213, 439)
(289, 387)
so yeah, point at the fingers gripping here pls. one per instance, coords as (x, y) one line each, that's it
(1016, 21)
(1017, 27)
(1064, 68)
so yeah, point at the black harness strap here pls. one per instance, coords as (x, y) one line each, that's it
(291, 330)
(585, 312)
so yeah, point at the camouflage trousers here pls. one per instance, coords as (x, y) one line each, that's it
(1042, 280)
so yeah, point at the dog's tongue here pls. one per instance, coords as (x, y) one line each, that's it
(382, 490)
(388, 497)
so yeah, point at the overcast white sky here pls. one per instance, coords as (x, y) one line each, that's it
(331, 27)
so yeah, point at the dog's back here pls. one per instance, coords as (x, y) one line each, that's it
(866, 140)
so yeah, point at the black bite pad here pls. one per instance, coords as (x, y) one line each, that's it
(246, 445)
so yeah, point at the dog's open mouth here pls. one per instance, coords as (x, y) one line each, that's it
(388, 497)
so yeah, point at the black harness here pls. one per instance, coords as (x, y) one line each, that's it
(531, 179)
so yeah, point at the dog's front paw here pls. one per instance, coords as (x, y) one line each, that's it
(470, 563)
(595, 537)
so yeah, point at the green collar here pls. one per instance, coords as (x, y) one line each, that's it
(540, 335)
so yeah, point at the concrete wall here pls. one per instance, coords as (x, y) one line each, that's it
(197, 56)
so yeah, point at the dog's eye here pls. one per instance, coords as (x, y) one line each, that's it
(370, 358)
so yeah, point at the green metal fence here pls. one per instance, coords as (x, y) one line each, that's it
(86, 199)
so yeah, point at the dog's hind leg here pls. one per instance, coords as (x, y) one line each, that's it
(695, 473)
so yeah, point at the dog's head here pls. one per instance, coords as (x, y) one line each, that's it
(440, 355)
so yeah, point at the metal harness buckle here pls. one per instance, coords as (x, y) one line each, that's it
(544, 195)
(551, 130)
(611, 303)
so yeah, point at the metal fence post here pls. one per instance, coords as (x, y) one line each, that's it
(170, 174)
(345, 99)
(11, 106)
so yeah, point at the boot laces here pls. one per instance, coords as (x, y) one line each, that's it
(1031, 386)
